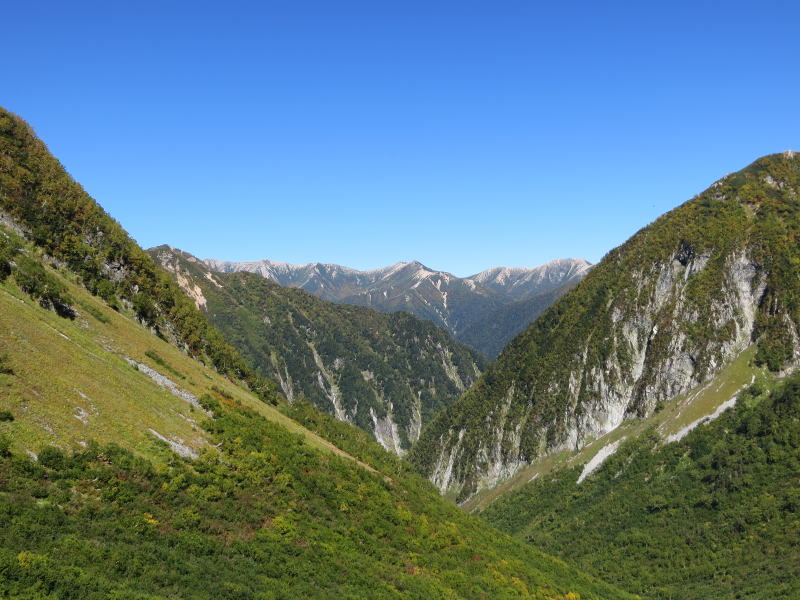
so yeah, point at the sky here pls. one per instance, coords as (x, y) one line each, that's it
(465, 135)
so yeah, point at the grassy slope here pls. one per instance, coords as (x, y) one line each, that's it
(58, 361)
(42, 200)
(270, 514)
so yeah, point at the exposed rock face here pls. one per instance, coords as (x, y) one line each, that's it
(653, 358)
(657, 317)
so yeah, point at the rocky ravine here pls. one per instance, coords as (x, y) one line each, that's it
(658, 316)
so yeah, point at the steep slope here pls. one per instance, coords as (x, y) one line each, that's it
(712, 515)
(451, 302)
(387, 373)
(130, 470)
(658, 316)
(96, 373)
(38, 198)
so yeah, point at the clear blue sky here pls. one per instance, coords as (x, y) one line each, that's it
(461, 134)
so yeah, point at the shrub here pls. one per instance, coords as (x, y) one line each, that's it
(5, 446)
(51, 457)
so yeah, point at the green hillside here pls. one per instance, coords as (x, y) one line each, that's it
(135, 464)
(140, 490)
(492, 333)
(386, 373)
(657, 317)
(71, 380)
(713, 515)
(671, 421)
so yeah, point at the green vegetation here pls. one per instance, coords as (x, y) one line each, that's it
(669, 419)
(715, 515)
(268, 516)
(32, 277)
(67, 381)
(35, 281)
(491, 334)
(555, 372)
(68, 225)
(5, 365)
(95, 312)
(221, 393)
(268, 509)
(355, 442)
(374, 364)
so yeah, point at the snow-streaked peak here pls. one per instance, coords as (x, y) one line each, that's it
(276, 266)
(278, 270)
(522, 282)
(449, 301)
(568, 267)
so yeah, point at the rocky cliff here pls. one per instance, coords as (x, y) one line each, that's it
(658, 316)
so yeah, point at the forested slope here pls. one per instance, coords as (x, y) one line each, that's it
(713, 515)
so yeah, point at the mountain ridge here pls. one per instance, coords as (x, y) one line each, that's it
(456, 304)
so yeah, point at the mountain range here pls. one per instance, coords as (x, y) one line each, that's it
(468, 308)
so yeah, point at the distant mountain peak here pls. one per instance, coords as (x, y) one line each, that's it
(521, 283)
(577, 264)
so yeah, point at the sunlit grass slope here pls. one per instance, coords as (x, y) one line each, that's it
(72, 380)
